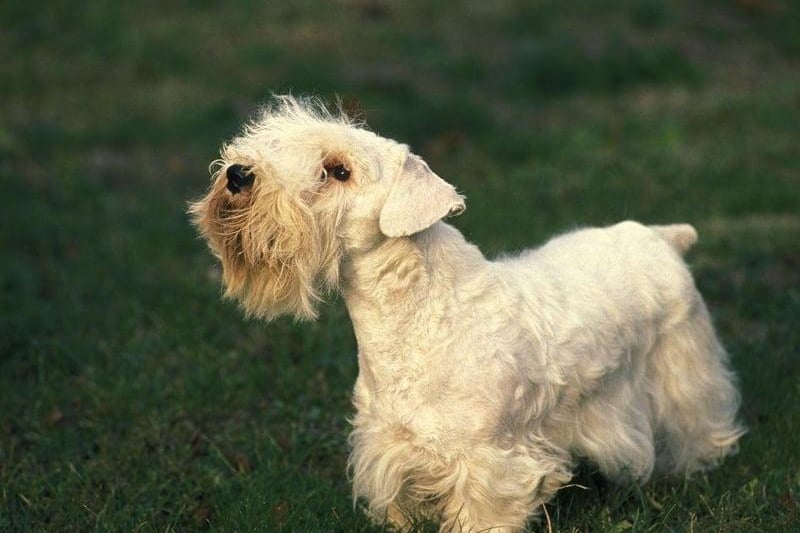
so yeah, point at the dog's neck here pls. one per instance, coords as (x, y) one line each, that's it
(402, 290)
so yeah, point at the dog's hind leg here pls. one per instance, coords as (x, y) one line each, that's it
(694, 397)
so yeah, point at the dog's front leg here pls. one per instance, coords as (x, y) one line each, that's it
(496, 490)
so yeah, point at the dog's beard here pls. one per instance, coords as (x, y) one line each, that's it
(279, 255)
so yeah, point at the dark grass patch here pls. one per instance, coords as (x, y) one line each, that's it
(556, 67)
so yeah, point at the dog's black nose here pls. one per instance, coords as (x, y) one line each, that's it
(239, 176)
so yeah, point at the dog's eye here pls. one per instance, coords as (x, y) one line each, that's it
(339, 172)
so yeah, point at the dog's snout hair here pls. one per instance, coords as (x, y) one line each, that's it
(481, 382)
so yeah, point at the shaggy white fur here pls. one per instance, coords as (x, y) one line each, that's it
(480, 382)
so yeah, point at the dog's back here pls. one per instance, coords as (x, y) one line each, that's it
(626, 273)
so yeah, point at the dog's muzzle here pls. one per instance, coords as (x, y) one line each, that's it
(239, 176)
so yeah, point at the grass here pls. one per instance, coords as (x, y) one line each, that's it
(132, 399)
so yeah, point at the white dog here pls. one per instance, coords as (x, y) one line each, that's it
(480, 383)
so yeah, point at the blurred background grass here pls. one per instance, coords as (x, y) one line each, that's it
(132, 399)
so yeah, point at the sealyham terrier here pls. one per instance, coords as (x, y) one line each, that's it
(481, 383)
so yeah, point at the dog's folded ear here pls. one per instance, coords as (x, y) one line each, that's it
(418, 199)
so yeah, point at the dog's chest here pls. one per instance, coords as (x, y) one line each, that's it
(447, 405)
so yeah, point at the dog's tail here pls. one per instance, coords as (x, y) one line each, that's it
(680, 236)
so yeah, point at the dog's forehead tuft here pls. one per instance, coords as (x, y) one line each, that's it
(286, 117)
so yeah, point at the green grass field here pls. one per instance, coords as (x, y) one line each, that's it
(133, 399)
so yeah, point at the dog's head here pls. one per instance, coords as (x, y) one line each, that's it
(298, 191)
